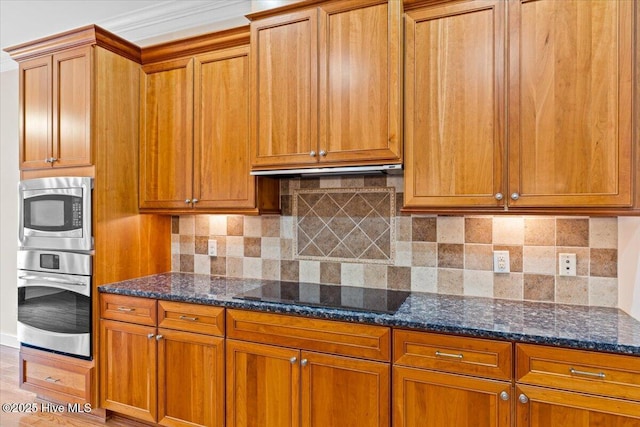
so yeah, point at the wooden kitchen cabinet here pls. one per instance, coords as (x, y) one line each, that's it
(570, 103)
(561, 387)
(62, 378)
(166, 134)
(543, 407)
(128, 369)
(565, 71)
(194, 151)
(79, 103)
(289, 384)
(326, 85)
(170, 373)
(454, 105)
(263, 385)
(55, 109)
(441, 380)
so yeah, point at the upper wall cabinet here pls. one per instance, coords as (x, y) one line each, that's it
(58, 81)
(326, 85)
(195, 135)
(570, 103)
(566, 141)
(55, 91)
(166, 134)
(454, 104)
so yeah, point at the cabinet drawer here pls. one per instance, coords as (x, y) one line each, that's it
(129, 309)
(197, 318)
(460, 355)
(55, 376)
(327, 336)
(577, 370)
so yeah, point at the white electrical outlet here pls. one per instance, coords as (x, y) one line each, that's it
(501, 262)
(567, 264)
(213, 247)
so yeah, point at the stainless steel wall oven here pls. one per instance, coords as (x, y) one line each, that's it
(54, 264)
(54, 301)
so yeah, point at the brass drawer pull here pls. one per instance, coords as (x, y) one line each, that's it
(126, 309)
(52, 380)
(587, 374)
(191, 319)
(453, 356)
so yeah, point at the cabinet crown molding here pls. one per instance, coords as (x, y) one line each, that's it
(195, 45)
(88, 35)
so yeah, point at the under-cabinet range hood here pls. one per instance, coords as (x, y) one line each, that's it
(347, 170)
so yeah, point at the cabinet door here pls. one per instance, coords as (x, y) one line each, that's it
(128, 374)
(284, 87)
(341, 391)
(35, 113)
(360, 81)
(221, 150)
(72, 107)
(542, 407)
(454, 98)
(166, 134)
(190, 379)
(433, 399)
(263, 385)
(570, 102)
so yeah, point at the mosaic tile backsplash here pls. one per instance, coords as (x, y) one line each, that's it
(344, 224)
(429, 253)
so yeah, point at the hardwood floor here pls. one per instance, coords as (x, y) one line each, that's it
(10, 393)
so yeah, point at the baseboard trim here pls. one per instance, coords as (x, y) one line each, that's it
(9, 340)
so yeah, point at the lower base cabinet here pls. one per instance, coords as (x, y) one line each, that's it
(172, 377)
(441, 380)
(56, 377)
(559, 387)
(168, 363)
(278, 386)
(128, 369)
(427, 398)
(543, 407)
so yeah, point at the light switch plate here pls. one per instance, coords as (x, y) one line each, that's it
(213, 247)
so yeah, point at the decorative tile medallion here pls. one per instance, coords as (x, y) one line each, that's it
(345, 224)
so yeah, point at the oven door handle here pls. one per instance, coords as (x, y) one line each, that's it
(52, 279)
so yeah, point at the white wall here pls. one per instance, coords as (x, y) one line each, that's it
(629, 265)
(9, 176)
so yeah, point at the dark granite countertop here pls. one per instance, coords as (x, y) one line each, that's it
(580, 327)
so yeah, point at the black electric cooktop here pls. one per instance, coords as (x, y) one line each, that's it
(330, 296)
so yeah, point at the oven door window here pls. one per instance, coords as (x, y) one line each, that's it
(53, 212)
(54, 310)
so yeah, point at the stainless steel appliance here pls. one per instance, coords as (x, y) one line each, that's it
(54, 301)
(55, 213)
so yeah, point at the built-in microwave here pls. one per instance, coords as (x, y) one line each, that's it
(55, 213)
